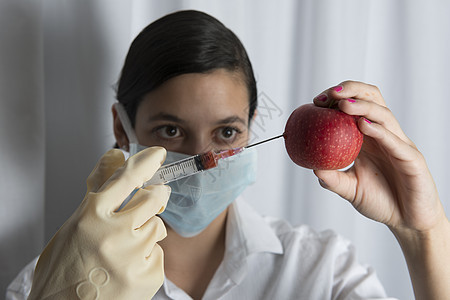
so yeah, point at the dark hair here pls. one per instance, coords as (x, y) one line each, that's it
(179, 43)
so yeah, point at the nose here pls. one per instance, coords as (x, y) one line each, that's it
(198, 144)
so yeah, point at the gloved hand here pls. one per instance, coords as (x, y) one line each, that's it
(102, 254)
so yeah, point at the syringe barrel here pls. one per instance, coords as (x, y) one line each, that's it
(190, 166)
(183, 168)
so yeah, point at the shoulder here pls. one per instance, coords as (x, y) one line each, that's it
(293, 240)
(20, 287)
(327, 257)
(317, 251)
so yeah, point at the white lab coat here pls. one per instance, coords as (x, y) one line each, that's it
(266, 258)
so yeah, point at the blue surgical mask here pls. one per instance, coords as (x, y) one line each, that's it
(197, 200)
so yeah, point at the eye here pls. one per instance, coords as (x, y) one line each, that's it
(228, 134)
(168, 132)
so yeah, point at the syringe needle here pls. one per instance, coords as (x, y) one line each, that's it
(273, 138)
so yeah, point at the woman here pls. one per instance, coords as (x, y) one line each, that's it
(188, 86)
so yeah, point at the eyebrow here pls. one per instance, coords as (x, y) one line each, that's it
(232, 119)
(166, 117)
(169, 117)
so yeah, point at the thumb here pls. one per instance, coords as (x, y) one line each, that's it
(342, 183)
(106, 166)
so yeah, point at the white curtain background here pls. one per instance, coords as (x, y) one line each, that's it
(59, 61)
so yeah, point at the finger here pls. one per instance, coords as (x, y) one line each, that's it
(156, 253)
(150, 233)
(357, 90)
(350, 89)
(339, 182)
(106, 166)
(154, 264)
(322, 100)
(138, 169)
(402, 154)
(145, 204)
(375, 113)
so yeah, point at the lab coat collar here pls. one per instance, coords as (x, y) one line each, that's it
(247, 233)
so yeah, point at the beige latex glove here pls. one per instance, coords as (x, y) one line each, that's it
(103, 254)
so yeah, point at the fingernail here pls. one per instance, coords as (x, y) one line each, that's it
(367, 121)
(338, 88)
(322, 97)
(322, 183)
(351, 100)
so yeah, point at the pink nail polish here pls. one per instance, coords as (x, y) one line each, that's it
(322, 97)
(367, 121)
(351, 100)
(338, 88)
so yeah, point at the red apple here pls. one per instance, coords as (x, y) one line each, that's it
(322, 138)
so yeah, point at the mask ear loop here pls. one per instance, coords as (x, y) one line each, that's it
(126, 124)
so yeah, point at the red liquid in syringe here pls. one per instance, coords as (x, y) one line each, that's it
(211, 159)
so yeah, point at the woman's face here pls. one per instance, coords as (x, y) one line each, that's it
(194, 113)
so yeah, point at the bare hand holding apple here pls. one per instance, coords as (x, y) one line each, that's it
(390, 182)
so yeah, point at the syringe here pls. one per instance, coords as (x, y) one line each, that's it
(190, 166)
(195, 164)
